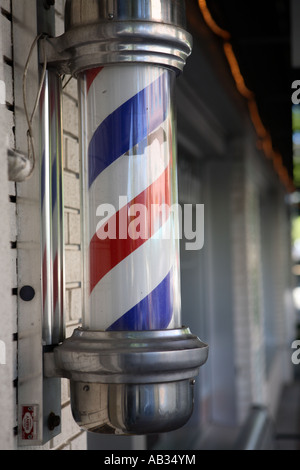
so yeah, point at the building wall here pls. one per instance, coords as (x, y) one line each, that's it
(262, 281)
(8, 318)
(20, 19)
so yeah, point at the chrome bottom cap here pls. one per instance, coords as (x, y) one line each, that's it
(129, 382)
(126, 409)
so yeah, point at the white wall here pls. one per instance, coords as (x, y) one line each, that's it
(21, 17)
(7, 256)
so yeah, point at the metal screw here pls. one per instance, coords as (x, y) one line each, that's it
(53, 421)
(86, 388)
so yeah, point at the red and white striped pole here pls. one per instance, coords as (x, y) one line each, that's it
(131, 277)
(132, 365)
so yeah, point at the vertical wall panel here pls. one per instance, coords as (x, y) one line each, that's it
(7, 307)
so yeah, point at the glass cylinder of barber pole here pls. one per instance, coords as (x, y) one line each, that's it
(130, 239)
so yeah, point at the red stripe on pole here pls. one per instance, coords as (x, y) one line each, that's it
(55, 282)
(44, 280)
(106, 254)
(91, 75)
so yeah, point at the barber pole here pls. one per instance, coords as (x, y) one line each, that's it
(131, 272)
(132, 364)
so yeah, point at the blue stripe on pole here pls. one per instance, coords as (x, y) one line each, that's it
(127, 126)
(154, 312)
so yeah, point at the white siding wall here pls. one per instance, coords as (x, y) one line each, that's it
(71, 438)
(8, 235)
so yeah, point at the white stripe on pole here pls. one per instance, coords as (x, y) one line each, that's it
(108, 92)
(129, 276)
(111, 184)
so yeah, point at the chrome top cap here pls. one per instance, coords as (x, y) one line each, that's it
(106, 32)
(82, 12)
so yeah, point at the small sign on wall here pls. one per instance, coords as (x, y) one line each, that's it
(30, 415)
